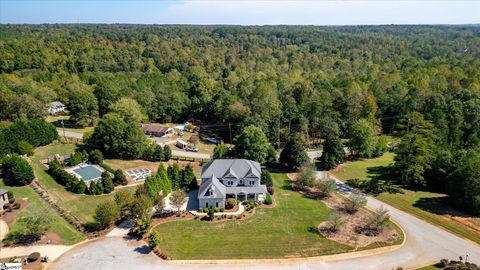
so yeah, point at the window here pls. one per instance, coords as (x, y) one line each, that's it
(252, 183)
(216, 204)
(206, 204)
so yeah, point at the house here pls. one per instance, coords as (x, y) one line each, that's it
(56, 107)
(157, 130)
(230, 178)
(3, 197)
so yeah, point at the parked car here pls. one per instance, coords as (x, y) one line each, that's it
(213, 140)
(191, 149)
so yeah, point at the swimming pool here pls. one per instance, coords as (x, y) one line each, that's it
(88, 172)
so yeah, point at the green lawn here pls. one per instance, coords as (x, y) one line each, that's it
(58, 225)
(288, 230)
(83, 206)
(429, 206)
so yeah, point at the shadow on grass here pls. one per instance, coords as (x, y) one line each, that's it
(313, 230)
(440, 206)
(287, 185)
(380, 179)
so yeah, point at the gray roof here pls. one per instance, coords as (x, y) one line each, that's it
(3, 191)
(240, 168)
(211, 183)
(56, 104)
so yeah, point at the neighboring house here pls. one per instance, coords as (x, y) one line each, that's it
(56, 107)
(157, 130)
(230, 178)
(3, 197)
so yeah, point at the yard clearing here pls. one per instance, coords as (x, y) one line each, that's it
(82, 206)
(287, 231)
(430, 206)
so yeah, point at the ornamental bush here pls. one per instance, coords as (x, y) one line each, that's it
(231, 202)
(268, 199)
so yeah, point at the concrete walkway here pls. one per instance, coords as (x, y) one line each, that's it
(240, 211)
(3, 229)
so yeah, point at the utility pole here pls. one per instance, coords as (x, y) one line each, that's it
(63, 128)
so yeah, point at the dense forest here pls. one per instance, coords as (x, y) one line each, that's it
(420, 83)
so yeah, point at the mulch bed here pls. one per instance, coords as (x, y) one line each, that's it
(10, 217)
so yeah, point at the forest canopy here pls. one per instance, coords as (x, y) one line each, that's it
(420, 83)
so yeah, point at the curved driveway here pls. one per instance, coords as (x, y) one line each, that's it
(425, 244)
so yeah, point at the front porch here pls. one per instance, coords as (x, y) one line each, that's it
(241, 196)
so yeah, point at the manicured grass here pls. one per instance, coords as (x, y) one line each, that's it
(364, 168)
(288, 230)
(429, 206)
(82, 206)
(35, 203)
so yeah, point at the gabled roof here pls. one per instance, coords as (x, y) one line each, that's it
(230, 174)
(155, 128)
(56, 104)
(211, 183)
(239, 167)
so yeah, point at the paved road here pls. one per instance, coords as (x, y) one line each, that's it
(190, 154)
(424, 244)
(70, 134)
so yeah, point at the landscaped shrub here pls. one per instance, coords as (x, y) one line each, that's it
(25, 148)
(307, 175)
(268, 199)
(16, 205)
(205, 210)
(378, 220)
(33, 256)
(217, 210)
(106, 167)
(62, 177)
(230, 204)
(11, 200)
(154, 240)
(81, 187)
(270, 190)
(119, 178)
(210, 214)
(107, 182)
(266, 178)
(9, 209)
(354, 202)
(325, 187)
(96, 188)
(6, 206)
(10, 195)
(222, 209)
(336, 221)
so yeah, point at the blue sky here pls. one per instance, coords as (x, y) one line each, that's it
(246, 12)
